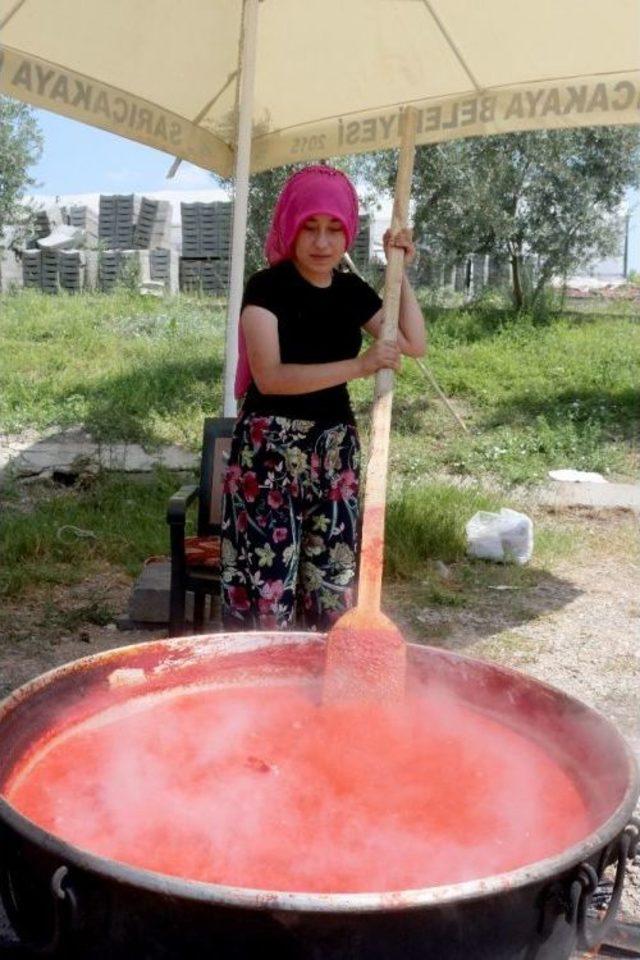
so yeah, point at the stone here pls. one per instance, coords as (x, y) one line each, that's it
(58, 451)
(82, 471)
(604, 496)
(124, 623)
(149, 601)
(131, 457)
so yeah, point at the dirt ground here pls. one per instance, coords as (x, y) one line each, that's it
(576, 626)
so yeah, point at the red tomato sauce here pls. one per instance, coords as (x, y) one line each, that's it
(261, 787)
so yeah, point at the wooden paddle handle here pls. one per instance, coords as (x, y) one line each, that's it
(372, 549)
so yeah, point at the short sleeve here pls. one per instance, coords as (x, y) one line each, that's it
(260, 291)
(366, 302)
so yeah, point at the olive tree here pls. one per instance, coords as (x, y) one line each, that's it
(20, 148)
(549, 195)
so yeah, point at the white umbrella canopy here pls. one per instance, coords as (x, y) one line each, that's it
(330, 77)
(296, 80)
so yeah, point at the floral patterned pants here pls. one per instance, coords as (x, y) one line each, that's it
(289, 523)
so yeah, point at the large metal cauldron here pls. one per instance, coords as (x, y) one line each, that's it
(67, 903)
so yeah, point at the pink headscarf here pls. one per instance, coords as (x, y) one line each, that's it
(307, 193)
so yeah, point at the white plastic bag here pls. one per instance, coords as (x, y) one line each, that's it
(505, 537)
(576, 476)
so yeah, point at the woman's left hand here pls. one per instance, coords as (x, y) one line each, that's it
(403, 240)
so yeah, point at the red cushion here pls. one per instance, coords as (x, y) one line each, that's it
(202, 551)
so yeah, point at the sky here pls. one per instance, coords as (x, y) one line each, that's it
(82, 159)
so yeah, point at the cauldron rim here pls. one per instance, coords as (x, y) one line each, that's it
(300, 901)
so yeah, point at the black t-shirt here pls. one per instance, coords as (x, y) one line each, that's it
(315, 325)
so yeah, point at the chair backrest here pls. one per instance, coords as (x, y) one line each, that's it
(216, 443)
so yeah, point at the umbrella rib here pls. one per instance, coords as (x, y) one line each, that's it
(207, 106)
(12, 12)
(173, 169)
(452, 45)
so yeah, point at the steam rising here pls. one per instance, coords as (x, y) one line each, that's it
(263, 788)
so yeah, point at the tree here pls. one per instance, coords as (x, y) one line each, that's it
(549, 195)
(20, 148)
(264, 189)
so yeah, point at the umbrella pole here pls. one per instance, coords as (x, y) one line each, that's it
(241, 198)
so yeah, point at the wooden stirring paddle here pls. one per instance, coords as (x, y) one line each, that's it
(366, 653)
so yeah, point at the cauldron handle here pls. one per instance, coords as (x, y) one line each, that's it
(65, 908)
(593, 933)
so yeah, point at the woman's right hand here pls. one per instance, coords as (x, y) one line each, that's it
(381, 353)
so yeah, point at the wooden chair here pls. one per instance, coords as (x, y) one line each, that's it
(195, 561)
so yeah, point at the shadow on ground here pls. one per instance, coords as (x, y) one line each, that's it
(120, 412)
(459, 617)
(123, 408)
(44, 628)
(613, 412)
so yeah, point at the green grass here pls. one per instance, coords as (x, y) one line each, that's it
(65, 533)
(536, 395)
(428, 523)
(127, 367)
(97, 610)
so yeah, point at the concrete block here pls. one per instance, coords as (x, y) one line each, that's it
(149, 601)
(11, 276)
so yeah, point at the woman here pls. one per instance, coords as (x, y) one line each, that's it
(290, 512)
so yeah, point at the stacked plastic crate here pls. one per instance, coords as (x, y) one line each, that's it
(115, 247)
(40, 272)
(32, 269)
(362, 243)
(47, 264)
(206, 245)
(109, 265)
(49, 259)
(153, 225)
(128, 267)
(85, 219)
(164, 267)
(71, 270)
(58, 264)
(135, 235)
(45, 222)
(116, 225)
(153, 233)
